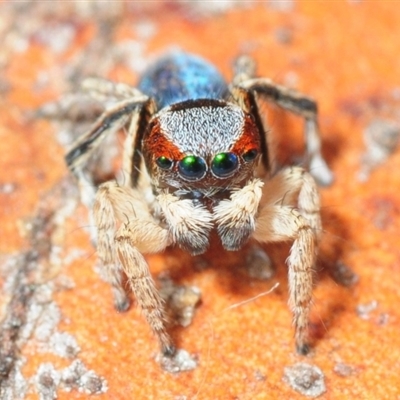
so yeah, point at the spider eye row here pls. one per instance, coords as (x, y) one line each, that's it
(193, 167)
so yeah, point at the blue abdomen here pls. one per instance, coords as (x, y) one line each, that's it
(180, 76)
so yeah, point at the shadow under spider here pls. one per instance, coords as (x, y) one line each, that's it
(232, 275)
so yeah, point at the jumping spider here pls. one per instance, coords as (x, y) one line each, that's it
(196, 161)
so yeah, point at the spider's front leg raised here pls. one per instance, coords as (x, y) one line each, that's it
(278, 221)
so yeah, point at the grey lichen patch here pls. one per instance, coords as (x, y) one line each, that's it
(64, 345)
(180, 361)
(344, 370)
(17, 385)
(381, 138)
(78, 377)
(43, 317)
(364, 310)
(72, 375)
(91, 383)
(306, 379)
(20, 296)
(41, 324)
(48, 380)
(30, 314)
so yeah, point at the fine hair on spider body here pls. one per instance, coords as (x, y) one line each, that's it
(196, 161)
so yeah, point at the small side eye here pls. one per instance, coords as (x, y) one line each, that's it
(192, 168)
(224, 164)
(164, 162)
(250, 155)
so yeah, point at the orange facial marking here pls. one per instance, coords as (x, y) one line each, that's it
(157, 145)
(250, 138)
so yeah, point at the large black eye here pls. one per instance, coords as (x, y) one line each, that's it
(164, 162)
(192, 168)
(250, 155)
(224, 164)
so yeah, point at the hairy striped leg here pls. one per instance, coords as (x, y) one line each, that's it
(108, 123)
(121, 249)
(83, 149)
(290, 100)
(279, 221)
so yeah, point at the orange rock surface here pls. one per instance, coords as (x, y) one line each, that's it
(345, 54)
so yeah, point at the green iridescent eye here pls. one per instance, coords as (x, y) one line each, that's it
(192, 168)
(164, 162)
(224, 164)
(250, 155)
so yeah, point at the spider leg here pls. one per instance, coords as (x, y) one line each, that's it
(294, 186)
(244, 68)
(83, 148)
(105, 90)
(302, 105)
(121, 252)
(88, 103)
(280, 221)
(109, 122)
